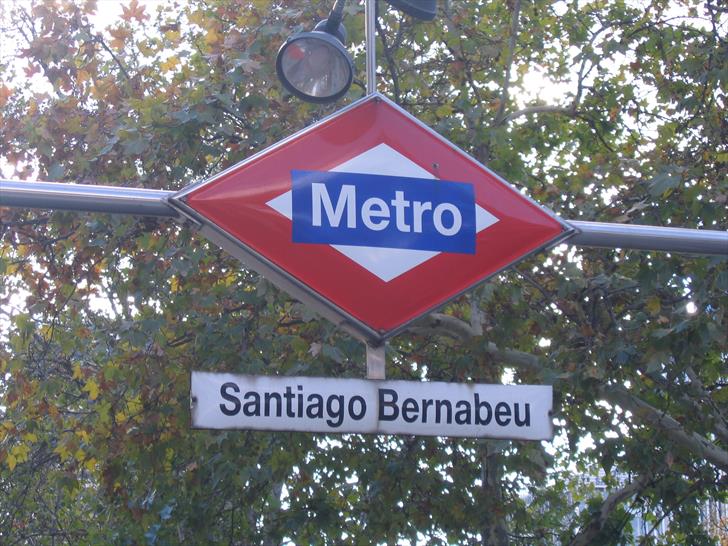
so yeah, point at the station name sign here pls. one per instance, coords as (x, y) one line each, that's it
(333, 405)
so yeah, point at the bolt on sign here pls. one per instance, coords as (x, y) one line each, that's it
(333, 405)
(370, 217)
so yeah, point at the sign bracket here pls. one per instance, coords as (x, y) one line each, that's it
(376, 361)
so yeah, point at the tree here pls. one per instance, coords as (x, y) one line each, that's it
(105, 316)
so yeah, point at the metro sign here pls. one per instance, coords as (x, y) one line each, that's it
(371, 217)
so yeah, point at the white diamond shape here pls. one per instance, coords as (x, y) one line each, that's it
(385, 263)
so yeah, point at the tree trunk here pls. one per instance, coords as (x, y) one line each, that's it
(494, 530)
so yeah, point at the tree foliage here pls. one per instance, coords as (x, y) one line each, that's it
(105, 316)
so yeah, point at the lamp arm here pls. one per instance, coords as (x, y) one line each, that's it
(335, 17)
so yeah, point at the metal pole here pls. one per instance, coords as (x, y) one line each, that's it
(370, 9)
(669, 239)
(376, 362)
(113, 199)
(84, 197)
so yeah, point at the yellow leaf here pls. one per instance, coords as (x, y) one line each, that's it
(11, 462)
(90, 464)
(30, 437)
(12, 268)
(134, 405)
(62, 452)
(169, 64)
(145, 48)
(104, 413)
(212, 37)
(247, 19)
(82, 75)
(168, 457)
(230, 279)
(47, 331)
(653, 305)
(80, 455)
(173, 36)
(77, 373)
(197, 17)
(119, 35)
(92, 389)
(20, 452)
(444, 111)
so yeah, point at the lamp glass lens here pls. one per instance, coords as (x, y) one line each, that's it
(315, 67)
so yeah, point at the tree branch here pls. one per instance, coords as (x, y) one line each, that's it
(691, 491)
(721, 427)
(699, 400)
(439, 323)
(542, 109)
(102, 43)
(499, 117)
(391, 65)
(494, 529)
(591, 532)
(673, 429)
(697, 444)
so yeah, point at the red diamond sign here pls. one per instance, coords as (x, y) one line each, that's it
(370, 216)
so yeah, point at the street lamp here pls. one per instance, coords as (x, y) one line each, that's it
(422, 9)
(315, 66)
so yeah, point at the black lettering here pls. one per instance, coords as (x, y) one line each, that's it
(362, 407)
(252, 408)
(462, 415)
(410, 409)
(315, 410)
(299, 399)
(502, 414)
(527, 419)
(230, 398)
(338, 413)
(289, 402)
(391, 403)
(279, 403)
(439, 404)
(480, 405)
(426, 403)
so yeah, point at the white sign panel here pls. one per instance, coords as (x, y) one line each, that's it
(314, 404)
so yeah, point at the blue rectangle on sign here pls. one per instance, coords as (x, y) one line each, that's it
(383, 211)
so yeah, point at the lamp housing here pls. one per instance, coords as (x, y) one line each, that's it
(422, 9)
(315, 66)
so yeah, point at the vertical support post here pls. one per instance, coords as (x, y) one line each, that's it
(370, 10)
(375, 362)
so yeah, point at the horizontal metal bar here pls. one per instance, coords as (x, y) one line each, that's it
(86, 197)
(145, 202)
(669, 239)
